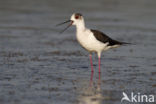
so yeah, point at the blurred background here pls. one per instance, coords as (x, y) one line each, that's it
(40, 66)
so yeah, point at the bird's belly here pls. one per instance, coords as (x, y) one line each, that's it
(91, 44)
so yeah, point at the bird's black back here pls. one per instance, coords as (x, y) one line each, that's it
(105, 39)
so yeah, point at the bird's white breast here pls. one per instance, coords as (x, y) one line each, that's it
(89, 42)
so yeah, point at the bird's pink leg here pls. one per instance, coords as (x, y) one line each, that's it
(99, 79)
(99, 64)
(91, 79)
(99, 75)
(91, 63)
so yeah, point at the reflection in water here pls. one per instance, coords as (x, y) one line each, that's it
(92, 94)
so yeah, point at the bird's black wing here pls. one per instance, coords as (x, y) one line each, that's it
(105, 39)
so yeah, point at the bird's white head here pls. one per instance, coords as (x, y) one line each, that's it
(77, 20)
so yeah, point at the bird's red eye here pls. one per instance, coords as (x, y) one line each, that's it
(76, 17)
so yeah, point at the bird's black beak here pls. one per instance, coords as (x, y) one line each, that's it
(71, 22)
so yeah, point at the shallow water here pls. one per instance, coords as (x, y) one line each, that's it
(40, 66)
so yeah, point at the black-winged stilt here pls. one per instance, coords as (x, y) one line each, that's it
(91, 40)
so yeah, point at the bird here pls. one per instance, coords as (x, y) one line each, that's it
(90, 39)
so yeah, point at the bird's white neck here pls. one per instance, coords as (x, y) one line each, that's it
(80, 26)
